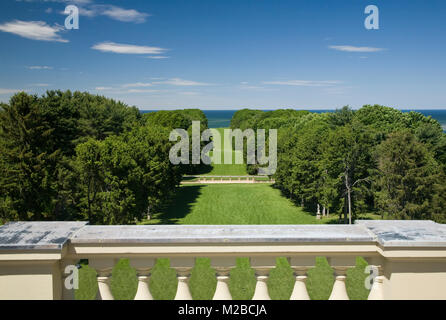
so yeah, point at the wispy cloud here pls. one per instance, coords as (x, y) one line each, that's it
(356, 49)
(79, 2)
(182, 83)
(40, 68)
(121, 14)
(157, 57)
(34, 30)
(137, 85)
(125, 90)
(190, 93)
(143, 87)
(9, 91)
(39, 85)
(126, 48)
(246, 86)
(112, 12)
(304, 83)
(142, 91)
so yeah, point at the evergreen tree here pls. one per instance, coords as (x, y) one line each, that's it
(410, 182)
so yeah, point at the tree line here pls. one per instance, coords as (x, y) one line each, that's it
(376, 159)
(77, 156)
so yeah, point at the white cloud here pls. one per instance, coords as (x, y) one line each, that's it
(137, 85)
(112, 12)
(246, 87)
(84, 12)
(142, 91)
(34, 30)
(120, 90)
(182, 82)
(9, 91)
(40, 85)
(126, 48)
(303, 83)
(157, 57)
(40, 68)
(190, 93)
(356, 49)
(120, 14)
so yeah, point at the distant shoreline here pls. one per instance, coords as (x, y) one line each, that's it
(222, 118)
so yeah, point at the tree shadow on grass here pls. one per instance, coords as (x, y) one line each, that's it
(180, 205)
(204, 169)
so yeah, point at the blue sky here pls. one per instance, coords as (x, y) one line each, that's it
(229, 54)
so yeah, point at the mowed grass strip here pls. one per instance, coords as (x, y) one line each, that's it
(163, 282)
(226, 169)
(238, 204)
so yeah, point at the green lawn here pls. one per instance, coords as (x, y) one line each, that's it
(231, 204)
(224, 204)
(227, 169)
(228, 204)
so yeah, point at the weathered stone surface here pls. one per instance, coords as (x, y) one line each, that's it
(53, 235)
(397, 233)
(37, 235)
(224, 234)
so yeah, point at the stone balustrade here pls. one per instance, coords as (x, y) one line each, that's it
(409, 256)
(227, 180)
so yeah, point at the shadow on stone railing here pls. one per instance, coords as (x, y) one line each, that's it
(407, 258)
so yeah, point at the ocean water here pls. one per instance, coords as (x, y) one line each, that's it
(439, 115)
(219, 118)
(222, 118)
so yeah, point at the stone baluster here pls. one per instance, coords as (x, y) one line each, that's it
(222, 268)
(377, 270)
(183, 267)
(143, 272)
(340, 266)
(339, 291)
(301, 265)
(377, 290)
(262, 267)
(103, 269)
(68, 279)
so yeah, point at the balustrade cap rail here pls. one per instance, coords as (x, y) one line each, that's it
(54, 235)
(222, 234)
(37, 235)
(204, 176)
(397, 233)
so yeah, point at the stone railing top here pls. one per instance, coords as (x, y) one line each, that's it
(206, 176)
(222, 234)
(53, 235)
(37, 235)
(397, 233)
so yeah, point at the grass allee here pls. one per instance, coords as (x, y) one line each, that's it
(228, 204)
(223, 205)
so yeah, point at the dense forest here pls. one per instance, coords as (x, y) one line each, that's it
(76, 156)
(376, 159)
